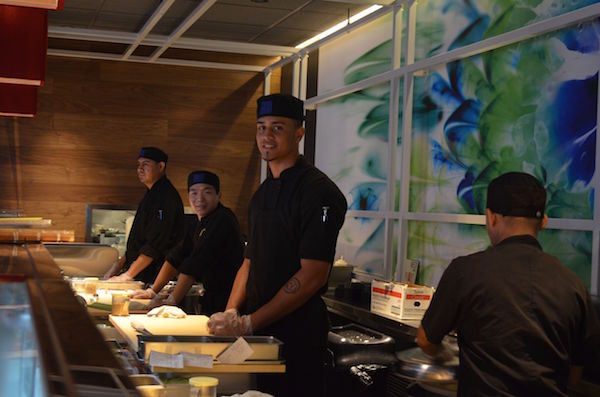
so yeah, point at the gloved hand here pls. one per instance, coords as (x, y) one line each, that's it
(147, 293)
(121, 277)
(230, 322)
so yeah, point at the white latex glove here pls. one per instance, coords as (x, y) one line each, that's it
(121, 277)
(229, 322)
(143, 294)
(166, 312)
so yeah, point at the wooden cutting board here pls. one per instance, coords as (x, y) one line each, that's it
(193, 325)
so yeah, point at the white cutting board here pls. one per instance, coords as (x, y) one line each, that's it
(193, 325)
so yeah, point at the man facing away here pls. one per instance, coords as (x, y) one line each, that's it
(524, 321)
(294, 220)
(210, 253)
(158, 224)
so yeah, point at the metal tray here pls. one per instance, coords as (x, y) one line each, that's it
(266, 348)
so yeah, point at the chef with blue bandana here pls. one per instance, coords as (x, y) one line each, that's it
(294, 220)
(158, 224)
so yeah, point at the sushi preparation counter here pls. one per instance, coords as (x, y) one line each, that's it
(190, 334)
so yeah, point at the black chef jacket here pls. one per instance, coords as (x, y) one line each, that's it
(297, 216)
(521, 316)
(211, 252)
(157, 227)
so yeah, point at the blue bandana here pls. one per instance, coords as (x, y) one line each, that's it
(203, 177)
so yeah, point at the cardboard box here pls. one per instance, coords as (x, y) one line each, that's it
(400, 301)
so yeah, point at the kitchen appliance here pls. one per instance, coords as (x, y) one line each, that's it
(358, 362)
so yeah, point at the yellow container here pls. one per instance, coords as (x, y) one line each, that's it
(203, 386)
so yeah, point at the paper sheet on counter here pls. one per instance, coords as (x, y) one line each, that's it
(237, 353)
(179, 360)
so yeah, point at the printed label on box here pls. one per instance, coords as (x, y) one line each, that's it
(400, 301)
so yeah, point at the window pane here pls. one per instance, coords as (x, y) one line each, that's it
(351, 146)
(436, 244)
(444, 26)
(527, 107)
(363, 53)
(362, 241)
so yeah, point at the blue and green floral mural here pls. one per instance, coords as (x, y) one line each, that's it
(529, 106)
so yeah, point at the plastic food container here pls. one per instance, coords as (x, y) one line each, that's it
(203, 386)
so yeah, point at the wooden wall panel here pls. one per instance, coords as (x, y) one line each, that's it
(93, 117)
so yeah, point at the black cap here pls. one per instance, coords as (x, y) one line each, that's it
(517, 194)
(153, 153)
(280, 105)
(203, 177)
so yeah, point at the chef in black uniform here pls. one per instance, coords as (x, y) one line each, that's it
(158, 224)
(210, 253)
(525, 322)
(294, 221)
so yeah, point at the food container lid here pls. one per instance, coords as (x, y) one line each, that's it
(203, 381)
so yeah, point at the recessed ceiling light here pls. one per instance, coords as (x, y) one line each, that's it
(259, 1)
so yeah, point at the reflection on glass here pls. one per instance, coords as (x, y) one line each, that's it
(361, 242)
(530, 107)
(20, 363)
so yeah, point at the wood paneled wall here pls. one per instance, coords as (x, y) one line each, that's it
(93, 117)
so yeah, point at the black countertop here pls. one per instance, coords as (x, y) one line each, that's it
(353, 306)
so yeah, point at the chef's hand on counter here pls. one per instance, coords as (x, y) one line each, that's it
(121, 277)
(143, 294)
(230, 322)
(159, 300)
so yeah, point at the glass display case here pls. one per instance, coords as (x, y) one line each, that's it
(20, 360)
(109, 224)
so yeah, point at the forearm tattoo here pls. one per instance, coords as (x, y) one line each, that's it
(292, 286)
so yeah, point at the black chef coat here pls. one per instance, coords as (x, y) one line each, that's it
(211, 252)
(157, 227)
(296, 216)
(521, 317)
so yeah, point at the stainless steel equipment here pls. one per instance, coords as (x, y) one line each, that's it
(83, 259)
(359, 361)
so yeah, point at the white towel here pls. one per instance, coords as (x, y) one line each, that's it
(166, 312)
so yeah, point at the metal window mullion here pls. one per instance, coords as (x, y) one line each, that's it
(266, 91)
(301, 86)
(407, 105)
(392, 142)
(595, 276)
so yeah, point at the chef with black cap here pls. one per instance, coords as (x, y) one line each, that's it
(524, 321)
(294, 220)
(210, 253)
(158, 224)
